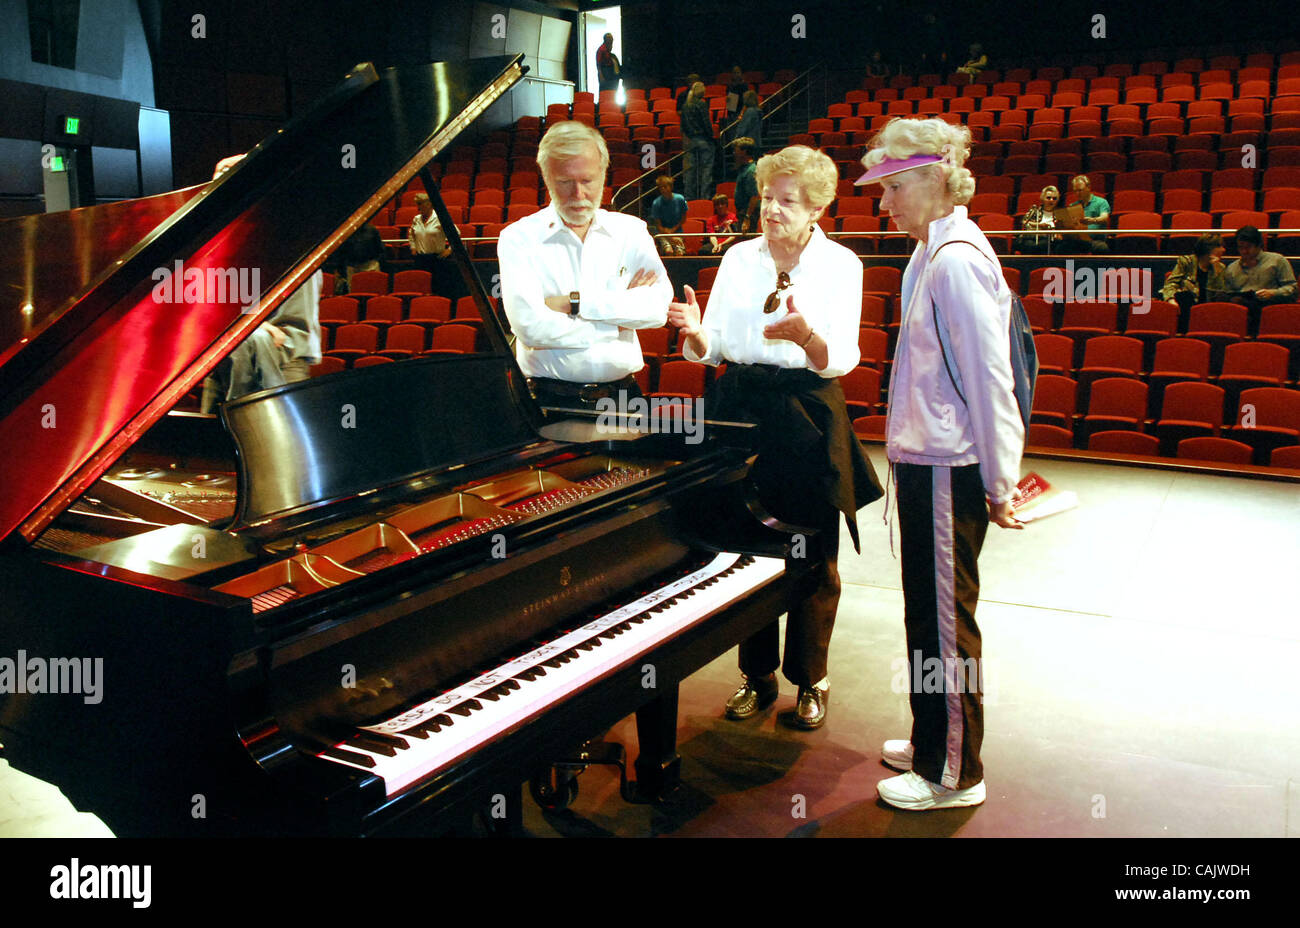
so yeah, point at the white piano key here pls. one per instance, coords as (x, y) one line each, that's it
(427, 755)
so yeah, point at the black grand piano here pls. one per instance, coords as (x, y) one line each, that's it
(372, 602)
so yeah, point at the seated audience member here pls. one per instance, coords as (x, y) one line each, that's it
(1040, 216)
(746, 184)
(722, 222)
(977, 62)
(1197, 277)
(1258, 277)
(667, 213)
(1097, 213)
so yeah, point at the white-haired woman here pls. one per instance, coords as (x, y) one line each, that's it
(954, 438)
(783, 316)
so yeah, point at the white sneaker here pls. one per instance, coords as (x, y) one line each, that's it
(912, 791)
(897, 754)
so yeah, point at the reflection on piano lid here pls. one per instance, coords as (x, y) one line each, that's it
(273, 218)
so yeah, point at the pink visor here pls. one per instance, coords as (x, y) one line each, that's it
(894, 166)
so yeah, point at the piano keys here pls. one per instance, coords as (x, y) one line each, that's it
(364, 603)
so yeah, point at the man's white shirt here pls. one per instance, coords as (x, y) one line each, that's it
(541, 257)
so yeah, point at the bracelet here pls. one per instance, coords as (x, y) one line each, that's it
(808, 341)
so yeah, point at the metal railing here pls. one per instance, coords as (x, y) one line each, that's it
(801, 88)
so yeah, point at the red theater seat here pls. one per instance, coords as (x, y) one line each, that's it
(1221, 450)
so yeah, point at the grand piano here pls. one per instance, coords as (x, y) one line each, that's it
(374, 602)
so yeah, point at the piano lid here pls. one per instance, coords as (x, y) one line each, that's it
(83, 383)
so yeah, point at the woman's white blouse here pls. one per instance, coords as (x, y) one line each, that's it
(827, 288)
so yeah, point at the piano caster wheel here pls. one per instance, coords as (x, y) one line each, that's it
(554, 790)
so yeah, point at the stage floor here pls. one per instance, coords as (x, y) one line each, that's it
(1140, 653)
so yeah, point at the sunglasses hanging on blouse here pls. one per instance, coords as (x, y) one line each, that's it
(774, 298)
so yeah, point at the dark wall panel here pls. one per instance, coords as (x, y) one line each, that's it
(20, 166)
(117, 123)
(257, 94)
(23, 114)
(116, 175)
(198, 143)
(191, 88)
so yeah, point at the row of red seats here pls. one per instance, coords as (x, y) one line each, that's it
(386, 310)
(1016, 125)
(1196, 160)
(1182, 100)
(1205, 450)
(1265, 418)
(1044, 437)
(1274, 84)
(402, 340)
(1287, 65)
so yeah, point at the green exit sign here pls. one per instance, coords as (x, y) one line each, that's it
(56, 164)
(71, 125)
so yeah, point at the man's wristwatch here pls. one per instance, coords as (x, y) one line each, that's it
(573, 303)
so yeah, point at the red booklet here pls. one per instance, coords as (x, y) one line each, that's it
(1039, 499)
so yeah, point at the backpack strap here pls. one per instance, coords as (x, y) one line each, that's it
(938, 329)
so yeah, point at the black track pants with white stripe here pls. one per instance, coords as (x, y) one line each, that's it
(942, 521)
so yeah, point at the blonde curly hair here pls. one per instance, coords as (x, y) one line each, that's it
(813, 170)
(903, 138)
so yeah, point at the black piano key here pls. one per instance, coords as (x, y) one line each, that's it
(462, 710)
(491, 695)
(352, 757)
(377, 744)
(418, 731)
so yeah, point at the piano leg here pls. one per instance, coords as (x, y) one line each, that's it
(658, 766)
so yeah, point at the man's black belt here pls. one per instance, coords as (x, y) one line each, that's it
(587, 392)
